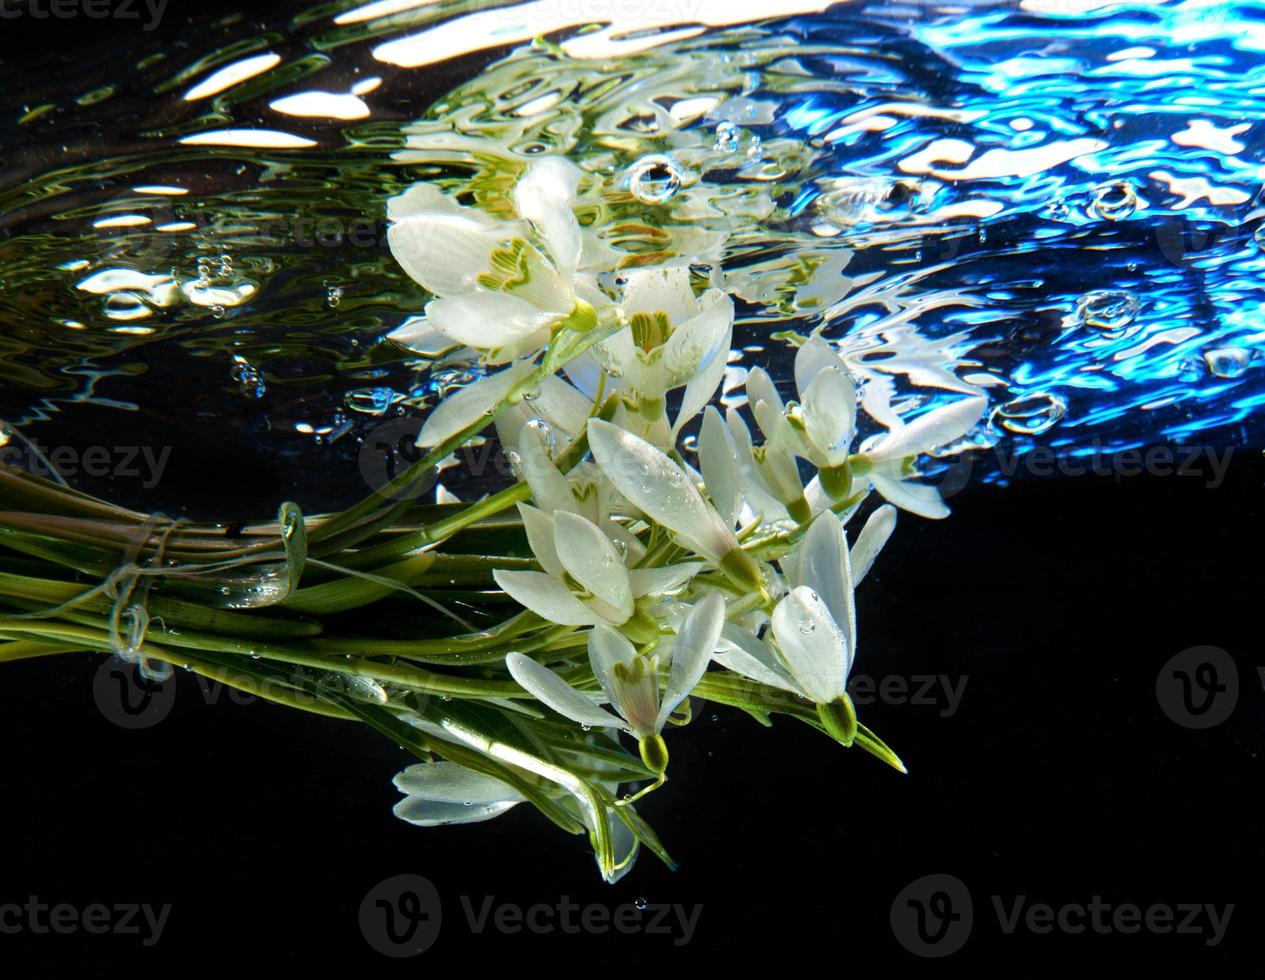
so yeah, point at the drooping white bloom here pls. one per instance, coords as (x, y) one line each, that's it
(629, 680)
(438, 793)
(500, 286)
(585, 580)
(813, 627)
(661, 489)
(887, 461)
(669, 339)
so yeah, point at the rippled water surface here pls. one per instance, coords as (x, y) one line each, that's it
(1058, 203)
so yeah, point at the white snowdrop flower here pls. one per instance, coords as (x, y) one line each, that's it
(670, 339)
(585, 580)
(630, 681)
(886, 462)
(501, 287)
(813, 627)
(665, 493)
(438, 793)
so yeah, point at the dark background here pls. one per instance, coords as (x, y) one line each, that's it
(1060, 777)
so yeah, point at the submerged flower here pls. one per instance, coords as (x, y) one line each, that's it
(812, 632)
(585, 580)
(887, 462)
(438, 793)
(500, 286)
(670, 339)
(630, 680)
(664, 492)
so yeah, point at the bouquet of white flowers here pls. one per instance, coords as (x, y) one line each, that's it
(616, 578)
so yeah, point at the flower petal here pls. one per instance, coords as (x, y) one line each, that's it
(539, 527)
(878, 528)
(549, 488)
(447, 782)
(544, 196)
(823, 565)
(931, 430)
(546, 597)
(692, 652)
(606, 649)
(463, 408)
(588, 555)
(440, 244)
(486, 320)
(740, 651)
(718, 459)
(917, 498)
(550, 689)
(814, 356)
(829, 414)
(660, 489)
(699, 339)
(665, 580)
(661, 291)
(812, 645)
(433, 813)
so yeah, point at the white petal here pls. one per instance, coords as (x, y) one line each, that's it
(761, 389)
(587, 553)
(539, 527)
(812, 645)
(692, 651)
(742, 653)
(486, 320)
(659, 488)
(550, 689)
(829, 414)
(549, 488)
(936, 428)
(430, 813)
(718, 459)
(878, 528)
(563, 407)
(546, 597)
(441, 245)
(606, 649)
(661, 291)
(448, 782)
(813, 357)
(823, 565)
(463, 408)
(917, 498)
(701, 388)
(544, 196)
(699, 340)
(420, 336)
(664, 580)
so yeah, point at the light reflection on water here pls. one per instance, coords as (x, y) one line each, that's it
(1056, 205)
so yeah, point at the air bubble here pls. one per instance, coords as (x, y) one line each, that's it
(1109, 310)
(1030, 414)
(1228, 362)
(1114, 201)
(654, 179)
